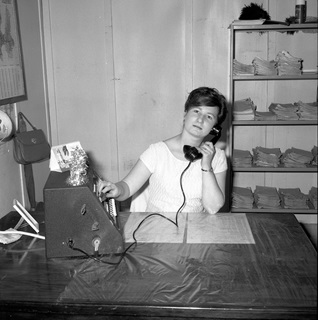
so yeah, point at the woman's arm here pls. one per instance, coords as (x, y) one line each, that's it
(213, 184)
(125, 188)
(213, 190)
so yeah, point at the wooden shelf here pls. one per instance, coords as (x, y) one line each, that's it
(304, 76)
(307, 75)
(274, 122)
(255, 210)
(272, 169)
(275, 27)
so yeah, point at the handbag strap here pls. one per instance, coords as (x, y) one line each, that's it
(20, 118)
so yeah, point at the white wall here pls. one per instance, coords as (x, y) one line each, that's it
(121, 70)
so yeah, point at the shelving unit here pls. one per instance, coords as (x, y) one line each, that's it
(266, 127)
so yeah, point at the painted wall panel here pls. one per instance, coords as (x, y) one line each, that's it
(82, 110)
(149, 59)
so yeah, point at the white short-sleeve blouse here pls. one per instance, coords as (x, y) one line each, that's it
(165, 193)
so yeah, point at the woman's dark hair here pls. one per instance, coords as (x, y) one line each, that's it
(209, 97)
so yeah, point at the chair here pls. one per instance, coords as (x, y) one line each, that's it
(140, 199)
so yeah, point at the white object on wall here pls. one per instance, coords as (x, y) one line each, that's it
(6, 127)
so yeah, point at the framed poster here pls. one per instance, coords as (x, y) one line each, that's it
(12, 78)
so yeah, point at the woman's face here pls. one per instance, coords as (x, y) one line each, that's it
(200, 120)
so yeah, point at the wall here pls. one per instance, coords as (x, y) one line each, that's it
(34, 107)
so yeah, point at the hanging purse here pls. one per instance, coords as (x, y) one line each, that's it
(29, 146)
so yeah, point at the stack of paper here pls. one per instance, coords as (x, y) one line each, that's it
(313, 197)
(241, 158)
(293, 198)
(287, 64)
(242, 198)
(307, 111)
(263, 67)
(296, 158)
(244, 109)
(265, 116)
(240, 68)
(284, 111)
(266, 157)
(266, 197)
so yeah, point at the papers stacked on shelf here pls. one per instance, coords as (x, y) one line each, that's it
(240, 68)
(244, 109)
(269, 198)
(307, 111)
(313, 196)
(263, 67)
(266, 157)
(287, 64)
(242, 158)
(296, 158)
(284, 111)
(293, 198)
(266, 197)
(242, 198)
(265, 116)
(283, 64)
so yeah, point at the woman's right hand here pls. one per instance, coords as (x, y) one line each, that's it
(107, 189)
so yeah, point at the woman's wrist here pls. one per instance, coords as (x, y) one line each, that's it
(207, 170)
(123, 190)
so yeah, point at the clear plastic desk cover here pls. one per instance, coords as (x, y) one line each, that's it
(257, 272)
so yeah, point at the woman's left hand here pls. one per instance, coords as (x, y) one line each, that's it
(208, 151)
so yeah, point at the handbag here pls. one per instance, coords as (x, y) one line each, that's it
(29, 146)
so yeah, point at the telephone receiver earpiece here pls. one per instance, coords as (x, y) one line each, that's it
(192, 153)
(216, 133)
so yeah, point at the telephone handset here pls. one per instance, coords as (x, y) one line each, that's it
(192, 153)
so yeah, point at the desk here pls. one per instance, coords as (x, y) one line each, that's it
(273, 278)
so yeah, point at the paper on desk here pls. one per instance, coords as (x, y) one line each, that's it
(219, 228)
(155, 229)
(7, 238)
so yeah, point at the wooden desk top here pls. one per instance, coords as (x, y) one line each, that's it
(273, 278)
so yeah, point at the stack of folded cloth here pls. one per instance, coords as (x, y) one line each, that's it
(241, 158)
(266, 198)
(242, 198)
(284, 111)
(307, 111)
(296, 158)
(244, 109)
(314, 152)
(293, 198)
(240, 68)
(287, 64)
(266, 157)
(265, 116)
(313, 196)
(263, 67)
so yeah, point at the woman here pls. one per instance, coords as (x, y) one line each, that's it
(174, 182)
